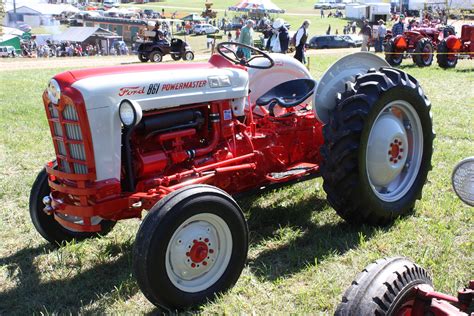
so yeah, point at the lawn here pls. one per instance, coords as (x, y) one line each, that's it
(302, 256)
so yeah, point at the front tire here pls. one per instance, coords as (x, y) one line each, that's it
(391, 56)
(192, 245)
(378, 147)
(46, 225)
(423, 56)
(176, 57)
(156, 57)
(446, 60)
(188, 56)
(385, 287)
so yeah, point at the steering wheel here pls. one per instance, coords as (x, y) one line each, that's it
(223, 49)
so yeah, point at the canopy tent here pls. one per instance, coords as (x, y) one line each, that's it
(193, 17)
(260, 6)
(82, 34)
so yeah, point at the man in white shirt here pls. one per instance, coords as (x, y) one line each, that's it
(301, 37)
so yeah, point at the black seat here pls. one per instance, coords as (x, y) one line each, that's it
(289, 93)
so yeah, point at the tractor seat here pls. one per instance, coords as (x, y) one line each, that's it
(289, 93)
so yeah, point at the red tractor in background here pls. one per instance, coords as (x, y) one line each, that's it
(420, 43)
(452, 47)
(179, 139)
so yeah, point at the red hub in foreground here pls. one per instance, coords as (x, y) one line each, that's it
(198, 252)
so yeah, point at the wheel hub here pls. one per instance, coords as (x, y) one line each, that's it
(389, 132)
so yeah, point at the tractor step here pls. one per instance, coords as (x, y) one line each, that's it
(292, 172)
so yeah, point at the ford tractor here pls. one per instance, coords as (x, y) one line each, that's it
(181, 139)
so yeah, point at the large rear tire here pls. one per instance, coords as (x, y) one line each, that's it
(46, 225)
(393, 58)
(385, 287)
(192, 245)
(445, 60)
(156, 57)
(424, 51)
(378, 147)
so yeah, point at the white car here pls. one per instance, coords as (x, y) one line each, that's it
(7, 51)
(205, 29)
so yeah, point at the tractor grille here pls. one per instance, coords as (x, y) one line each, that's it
(67, 135)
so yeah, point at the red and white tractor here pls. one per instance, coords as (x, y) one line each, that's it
(451, 48)
(180, 139)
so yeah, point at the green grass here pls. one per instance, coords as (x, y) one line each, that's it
(302, 256)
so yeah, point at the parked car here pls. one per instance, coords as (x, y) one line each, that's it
(323, 5)
(331, 41)
(7, 51)
(203, 29)
(23, 27)
(357, 39)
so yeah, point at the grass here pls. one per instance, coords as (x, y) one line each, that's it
(302, 256)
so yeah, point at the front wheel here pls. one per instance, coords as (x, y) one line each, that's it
(192, 245)
(378, 147)
(47, 226)
(385, 287)
(188, 56)
(156, 57)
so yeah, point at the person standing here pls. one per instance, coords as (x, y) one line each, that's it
(366, 32)
(398, 28)
(246, 38)
(382, 31)
(301, 37)
(322, 13)
(354, 25)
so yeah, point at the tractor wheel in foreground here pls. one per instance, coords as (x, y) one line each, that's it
(192, 245)
(423, 56)
(176, 57)
(188, 56)
(393, 58)
(143, 58)
(47, 226)
(385, 287)
(378, 147)
(156, 57)
(445, 60)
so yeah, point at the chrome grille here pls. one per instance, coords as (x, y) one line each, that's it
(69, 113)
(77, 151)
(62, 148)
(73, 131)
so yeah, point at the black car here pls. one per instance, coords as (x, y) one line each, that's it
(331, 41)
(154, 51)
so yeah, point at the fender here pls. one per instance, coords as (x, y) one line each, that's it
(334, 79)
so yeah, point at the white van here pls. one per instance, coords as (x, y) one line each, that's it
(7, 51)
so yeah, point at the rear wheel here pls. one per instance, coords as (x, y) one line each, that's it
(385, 287)
(143, 58)
(391, 56)
(47, 226)
(192, 245)
(156, 57)
(378, 147)
(444, 58)
(423, 56)
(188, 56)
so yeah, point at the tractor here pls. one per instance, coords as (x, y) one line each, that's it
(397, 286)
(180, 140)
(420, 43)
(452, 47)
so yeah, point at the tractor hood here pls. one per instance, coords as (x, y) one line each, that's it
(158, 86)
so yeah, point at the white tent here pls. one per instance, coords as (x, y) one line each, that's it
(260, 6)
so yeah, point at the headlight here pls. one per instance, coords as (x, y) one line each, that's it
(130, 113)
(54, 91)
(463, 180)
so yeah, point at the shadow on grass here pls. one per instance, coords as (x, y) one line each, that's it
(465, 70)
(314, 243)
(408, 66)
(61, 296)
